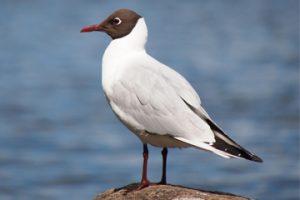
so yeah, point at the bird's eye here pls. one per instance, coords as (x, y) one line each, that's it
(117, 21)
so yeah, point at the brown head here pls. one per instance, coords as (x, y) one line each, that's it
(117, 25)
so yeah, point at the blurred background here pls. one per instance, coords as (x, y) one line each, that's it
(60, 140)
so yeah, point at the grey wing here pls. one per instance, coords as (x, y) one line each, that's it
(159, 100)
(146, 99)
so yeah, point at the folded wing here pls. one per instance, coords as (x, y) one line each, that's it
(154, 98)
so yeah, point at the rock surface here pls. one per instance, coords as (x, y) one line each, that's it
(164, 192)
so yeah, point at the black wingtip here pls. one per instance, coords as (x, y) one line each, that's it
(223, 142)
(256, 159)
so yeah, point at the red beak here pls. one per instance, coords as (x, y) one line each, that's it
(90, 28)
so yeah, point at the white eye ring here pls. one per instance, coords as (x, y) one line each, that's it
(117, 21)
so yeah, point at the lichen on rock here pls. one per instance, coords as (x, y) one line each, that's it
(164, 192)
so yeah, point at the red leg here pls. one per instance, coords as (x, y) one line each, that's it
(144, 181)
(164, 153)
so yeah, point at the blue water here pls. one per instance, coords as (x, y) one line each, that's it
(60, 140)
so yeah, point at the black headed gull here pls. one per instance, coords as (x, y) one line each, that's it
(155, 102)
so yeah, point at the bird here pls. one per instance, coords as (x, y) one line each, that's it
(154, 101)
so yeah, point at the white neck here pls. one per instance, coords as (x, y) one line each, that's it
(134, 41)
(122, 48)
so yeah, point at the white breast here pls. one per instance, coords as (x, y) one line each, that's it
(120, 52)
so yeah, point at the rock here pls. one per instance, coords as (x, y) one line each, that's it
(164, 192)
